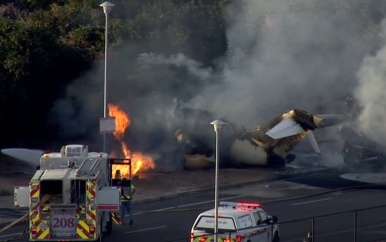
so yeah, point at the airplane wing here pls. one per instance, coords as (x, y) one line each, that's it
(30, 156)
(285, 128)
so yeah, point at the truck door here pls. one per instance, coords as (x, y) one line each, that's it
(263, 229)
(247, 227)
(120, 169)
(121, 174)
(21, 197)
(109, 199)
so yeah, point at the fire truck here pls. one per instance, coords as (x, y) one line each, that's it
(71, 196)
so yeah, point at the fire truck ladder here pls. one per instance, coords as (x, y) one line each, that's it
(88, 167)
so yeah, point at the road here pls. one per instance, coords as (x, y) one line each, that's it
(295, 197)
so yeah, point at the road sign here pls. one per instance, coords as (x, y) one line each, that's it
(107, 125)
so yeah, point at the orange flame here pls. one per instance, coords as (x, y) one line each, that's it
(122, 121)
(138, 160)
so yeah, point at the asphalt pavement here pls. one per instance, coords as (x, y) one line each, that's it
(153, 186)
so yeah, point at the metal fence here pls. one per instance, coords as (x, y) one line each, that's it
(363, 225)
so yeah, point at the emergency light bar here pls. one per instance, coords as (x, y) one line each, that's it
(240, 205)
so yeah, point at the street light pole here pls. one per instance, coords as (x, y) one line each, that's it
(107, 6)
(217, 124)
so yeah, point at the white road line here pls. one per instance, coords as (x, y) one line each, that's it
(198, 203)
(141, 230)
(186, 205)
(313, 201)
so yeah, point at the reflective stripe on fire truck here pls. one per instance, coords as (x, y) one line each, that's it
(81, 211)
(82, 230)
(115, 218)
(38, 228)
(34, 198)
(42, 232)
(87, 229)
(125, 197)
(34, 191)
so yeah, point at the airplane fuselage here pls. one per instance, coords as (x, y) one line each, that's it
(268, 144)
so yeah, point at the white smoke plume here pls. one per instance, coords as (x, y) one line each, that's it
(281, 57)
(282, 54)
(371, 94)
(179, 60)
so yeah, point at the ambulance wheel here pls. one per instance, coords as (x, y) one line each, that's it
(109, 225)
(276, 237)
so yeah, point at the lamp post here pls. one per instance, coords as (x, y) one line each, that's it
(217, 124)
(107, 6)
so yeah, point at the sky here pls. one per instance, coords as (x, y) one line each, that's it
(279, 57)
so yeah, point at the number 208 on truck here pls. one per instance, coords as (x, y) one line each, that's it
(70, 197)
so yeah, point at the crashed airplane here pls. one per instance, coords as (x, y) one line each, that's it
(359, 152)
(268, 144)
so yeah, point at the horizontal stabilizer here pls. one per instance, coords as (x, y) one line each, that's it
(285, 128)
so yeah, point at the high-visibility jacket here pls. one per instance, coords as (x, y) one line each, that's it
(126, 193)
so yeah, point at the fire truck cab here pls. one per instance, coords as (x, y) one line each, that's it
(237, 222)
(70, 197)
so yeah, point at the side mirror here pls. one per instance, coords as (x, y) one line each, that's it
(272, 219)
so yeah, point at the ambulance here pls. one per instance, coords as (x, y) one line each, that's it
(237, 222)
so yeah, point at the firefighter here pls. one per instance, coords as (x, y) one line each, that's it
(127, 192)
(308, 238)
(118, 175)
